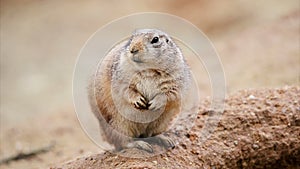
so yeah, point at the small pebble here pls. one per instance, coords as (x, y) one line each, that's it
(235, 142)
(155, 162)
(255, 146)
(251, 97)
(81, 151)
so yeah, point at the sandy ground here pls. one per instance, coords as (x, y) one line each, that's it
(258, 43)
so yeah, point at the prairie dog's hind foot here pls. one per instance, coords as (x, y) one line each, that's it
(141, 145)
(146, 143)
(162, 141)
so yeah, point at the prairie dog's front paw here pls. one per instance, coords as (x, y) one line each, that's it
(157, 102)
(138, 101)
(141, 103)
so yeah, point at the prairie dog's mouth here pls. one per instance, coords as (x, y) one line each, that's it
(136, 58)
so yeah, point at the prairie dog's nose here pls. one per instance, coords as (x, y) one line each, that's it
(136, 47)
(134, 50)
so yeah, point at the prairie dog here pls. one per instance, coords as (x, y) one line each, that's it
(137, 90)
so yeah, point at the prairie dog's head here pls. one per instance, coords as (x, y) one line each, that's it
(152, 48)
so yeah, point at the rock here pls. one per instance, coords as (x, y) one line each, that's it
(251, 97)
(255, 146)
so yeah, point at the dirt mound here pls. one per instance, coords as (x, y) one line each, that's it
(258, 129)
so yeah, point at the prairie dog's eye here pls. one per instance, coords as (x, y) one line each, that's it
(154, 40)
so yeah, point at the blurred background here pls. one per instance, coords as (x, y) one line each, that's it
(258, 43)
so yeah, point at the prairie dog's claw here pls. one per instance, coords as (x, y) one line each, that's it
(141, 103)
(137, 100)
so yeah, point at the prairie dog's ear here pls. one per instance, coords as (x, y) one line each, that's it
(167, 40)
(135, 31)
(170, 41)
(127, 44)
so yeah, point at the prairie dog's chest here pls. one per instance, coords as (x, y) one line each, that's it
(150, 82)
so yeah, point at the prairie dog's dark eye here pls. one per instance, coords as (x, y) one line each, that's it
(154, 40)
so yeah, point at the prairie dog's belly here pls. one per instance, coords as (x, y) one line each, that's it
(142, 98)
(150, 82)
